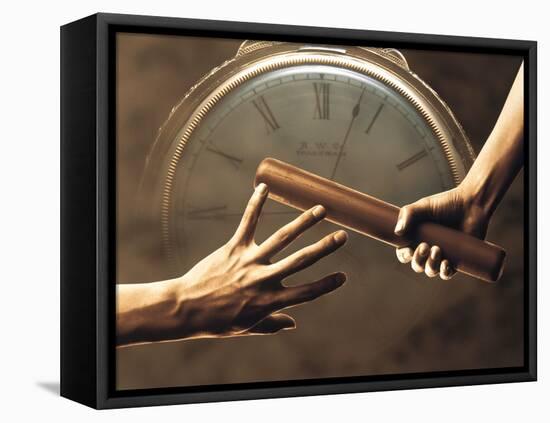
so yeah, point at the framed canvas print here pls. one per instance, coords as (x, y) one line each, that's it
(255, 211)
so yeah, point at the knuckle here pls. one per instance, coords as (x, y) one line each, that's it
(247, 257)
(417, 267)
(423, 203)
(263, 302)
(305, 223)
(430, 271)
(259, 274)
(422, 251)
(321, 245)
(305, 295)
(300, 260)
(404, 213)
(423, 246)
(410, 212)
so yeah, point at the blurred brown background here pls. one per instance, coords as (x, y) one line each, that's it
(481, 327)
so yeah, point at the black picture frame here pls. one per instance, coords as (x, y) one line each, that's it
(88, 210)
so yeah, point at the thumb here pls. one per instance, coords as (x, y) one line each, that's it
(410, 215)
(273, 324)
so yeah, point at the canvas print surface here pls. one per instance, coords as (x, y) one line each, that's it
(224, 279)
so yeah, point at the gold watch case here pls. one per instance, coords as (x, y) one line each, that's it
(255, 58)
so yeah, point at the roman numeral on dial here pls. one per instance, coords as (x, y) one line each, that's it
(266, 113)
(322, 100)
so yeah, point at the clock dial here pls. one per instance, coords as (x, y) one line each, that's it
(331, 121)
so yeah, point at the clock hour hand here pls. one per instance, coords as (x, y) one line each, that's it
(215, 213)
(354, 114)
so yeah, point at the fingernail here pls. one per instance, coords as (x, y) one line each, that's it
(340, 237)
(261, 188)
(407, 254)
(318, 211)
(400, 226)
(340, 278)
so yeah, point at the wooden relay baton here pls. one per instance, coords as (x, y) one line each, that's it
(377, 219)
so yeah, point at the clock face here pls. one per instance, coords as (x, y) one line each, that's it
(336, 123)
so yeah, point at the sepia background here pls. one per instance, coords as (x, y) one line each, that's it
(476, 326)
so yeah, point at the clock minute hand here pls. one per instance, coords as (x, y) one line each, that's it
(197, 213)
(236, 161)
(354, 113)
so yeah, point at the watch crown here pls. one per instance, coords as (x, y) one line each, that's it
(391, 54)
(396, 56)
(249, 46)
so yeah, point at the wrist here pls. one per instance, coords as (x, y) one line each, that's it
(476, 210)
(181, 312)
(154, 314)
(191, 311)
(476, 199)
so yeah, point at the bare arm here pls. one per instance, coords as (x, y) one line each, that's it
(146, 312)
(501, 157)
(470, 206)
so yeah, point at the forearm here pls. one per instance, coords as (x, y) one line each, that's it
(148, 312)
(501, 157)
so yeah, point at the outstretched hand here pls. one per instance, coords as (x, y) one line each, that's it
(237, 290)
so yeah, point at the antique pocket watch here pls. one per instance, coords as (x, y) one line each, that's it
(356, 115)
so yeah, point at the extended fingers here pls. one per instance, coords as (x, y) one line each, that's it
(295, 295)
(247, 227)
(308, 255)
(288, 233)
